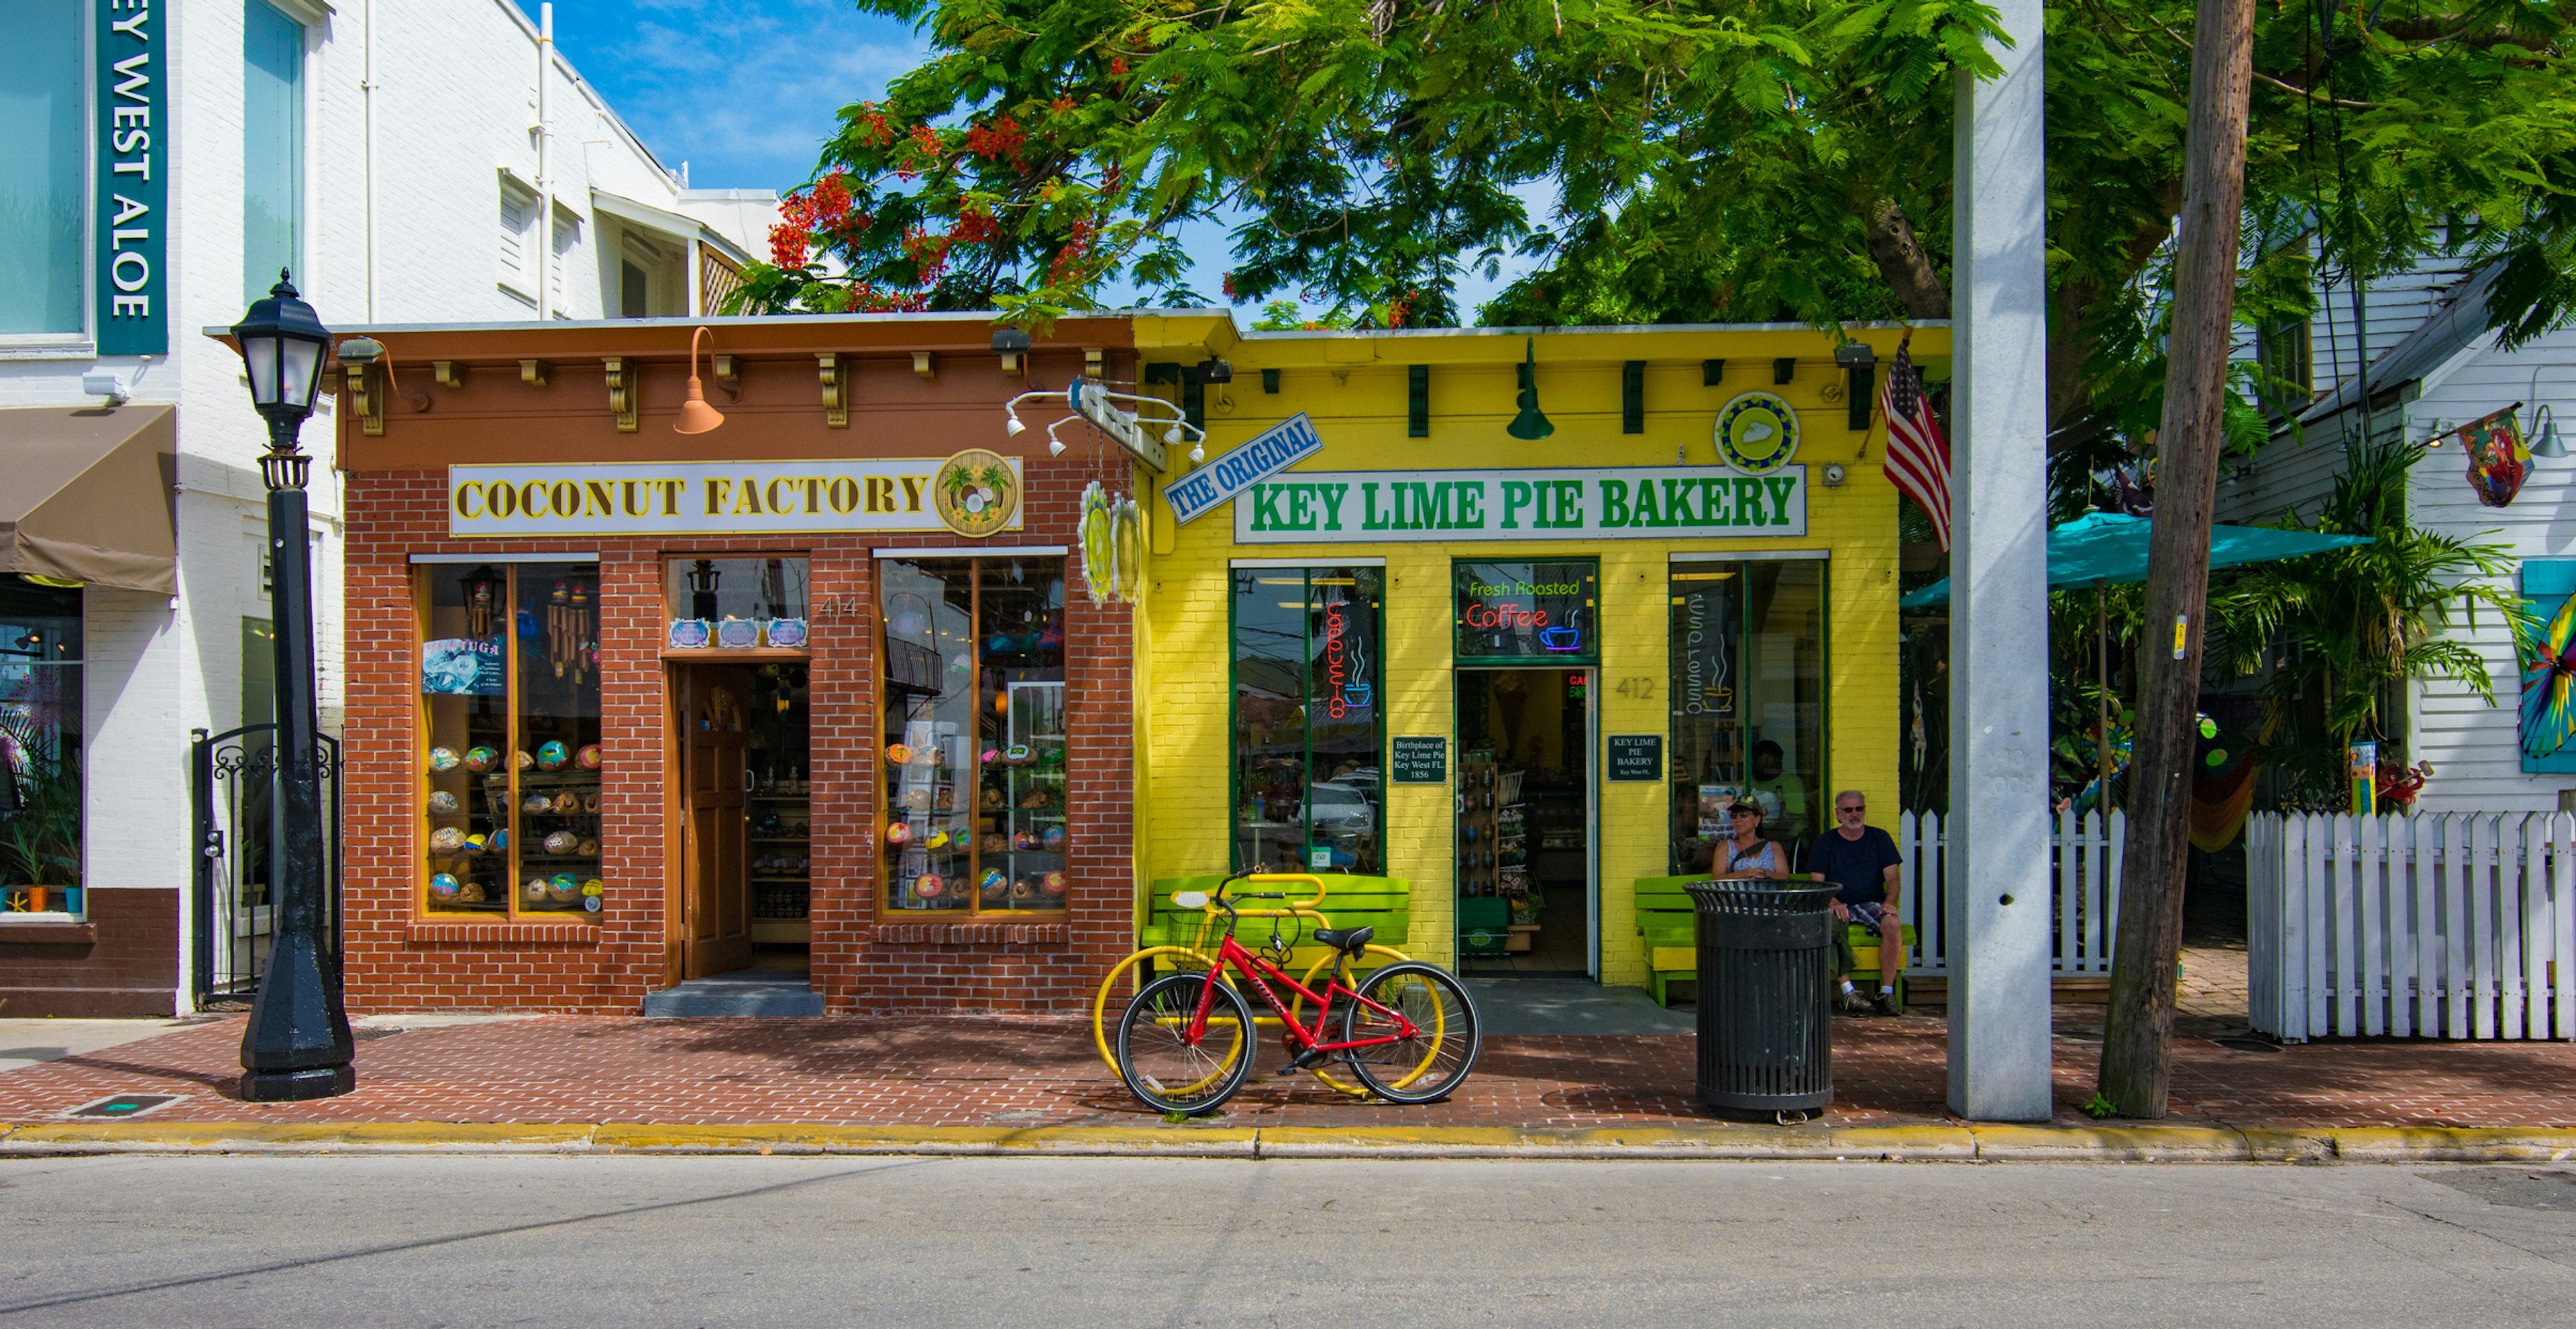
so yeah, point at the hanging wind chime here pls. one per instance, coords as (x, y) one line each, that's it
(568, 629)
(482, 586)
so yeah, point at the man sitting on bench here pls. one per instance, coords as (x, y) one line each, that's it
(1863, 861)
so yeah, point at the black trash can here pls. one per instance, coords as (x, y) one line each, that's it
(1766, 979)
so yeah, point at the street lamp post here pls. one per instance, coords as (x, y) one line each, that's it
(297, 1045)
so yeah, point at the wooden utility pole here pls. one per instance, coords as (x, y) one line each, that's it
(2137, 1043)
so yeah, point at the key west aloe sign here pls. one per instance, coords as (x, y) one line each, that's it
(1646, 502)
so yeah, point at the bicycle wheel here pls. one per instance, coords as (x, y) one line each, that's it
(1427, 1064)
(1164, 1066)
(1180, 958)
(1314, 980)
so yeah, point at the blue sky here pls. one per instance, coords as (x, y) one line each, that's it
(745, 91)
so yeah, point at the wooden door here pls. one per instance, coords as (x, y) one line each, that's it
(716, 895)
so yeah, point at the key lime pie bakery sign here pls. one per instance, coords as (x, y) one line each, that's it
(1657, 502)
(1756, 493)
(975, 493)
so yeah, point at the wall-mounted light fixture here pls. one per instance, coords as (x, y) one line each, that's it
(1531, 424)
(1012, 344)
(696, 417)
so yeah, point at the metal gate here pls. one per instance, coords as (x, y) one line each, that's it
(233, 778)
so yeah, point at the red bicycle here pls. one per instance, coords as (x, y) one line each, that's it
(1186, 1042)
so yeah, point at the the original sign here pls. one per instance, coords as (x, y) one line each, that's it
(130, 223)
(1636, 757)
(1648, 502)
(712, 497)
(1263, 455)
(1421, 759)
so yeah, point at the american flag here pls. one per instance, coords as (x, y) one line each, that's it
(1918, 456)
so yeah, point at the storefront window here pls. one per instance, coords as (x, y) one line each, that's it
(40, 747)
(1747, 688)
(975, 734)
(1308, 789)
(510, 750)
(735, 603)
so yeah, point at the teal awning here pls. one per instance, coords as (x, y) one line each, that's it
(2109, 547)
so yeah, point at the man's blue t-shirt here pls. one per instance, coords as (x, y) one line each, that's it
(1858, 866)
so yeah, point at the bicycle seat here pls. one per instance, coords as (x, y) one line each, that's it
(1351, 940)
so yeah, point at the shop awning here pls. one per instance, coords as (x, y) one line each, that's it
(87, 495)
(2110, 547)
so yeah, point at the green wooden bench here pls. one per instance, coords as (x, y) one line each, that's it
(1669, 921)
(1383, 903)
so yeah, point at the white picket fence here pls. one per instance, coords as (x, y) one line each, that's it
(2085, 863)
(2457, 926)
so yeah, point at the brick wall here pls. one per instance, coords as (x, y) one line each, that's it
(122, 960)
(398, 959)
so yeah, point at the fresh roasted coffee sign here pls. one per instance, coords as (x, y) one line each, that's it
(974, 493)
(1647, 502)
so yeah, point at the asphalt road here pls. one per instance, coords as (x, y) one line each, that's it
(1077, 1242)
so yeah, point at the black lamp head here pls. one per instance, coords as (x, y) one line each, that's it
(283, 345)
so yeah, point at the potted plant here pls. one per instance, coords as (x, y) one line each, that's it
(39, 819)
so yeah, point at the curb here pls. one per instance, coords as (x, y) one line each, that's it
(1921, 1143)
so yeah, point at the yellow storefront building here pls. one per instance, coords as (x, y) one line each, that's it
(1509, 617)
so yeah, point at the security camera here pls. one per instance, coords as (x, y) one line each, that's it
(105, 383)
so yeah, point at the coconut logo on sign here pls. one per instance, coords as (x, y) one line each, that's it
(1263, 455)
(977, 492)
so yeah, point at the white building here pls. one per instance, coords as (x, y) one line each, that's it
(2434, 366)
(162, 160)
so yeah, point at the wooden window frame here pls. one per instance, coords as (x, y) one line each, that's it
(972, 888)
(421, 908)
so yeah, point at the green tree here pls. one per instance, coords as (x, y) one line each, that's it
(2345, 628)
(1711, 160)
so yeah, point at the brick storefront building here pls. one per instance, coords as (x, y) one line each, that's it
(676, 739)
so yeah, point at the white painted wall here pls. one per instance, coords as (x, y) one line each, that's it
(414, 111)
(2474, 746)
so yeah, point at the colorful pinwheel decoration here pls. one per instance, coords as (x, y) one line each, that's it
(2549, 685)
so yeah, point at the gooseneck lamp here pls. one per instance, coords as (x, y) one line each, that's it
(696, 417)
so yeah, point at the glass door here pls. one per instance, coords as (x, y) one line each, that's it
(1527, 894)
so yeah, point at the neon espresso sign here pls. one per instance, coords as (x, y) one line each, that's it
(1345, 665)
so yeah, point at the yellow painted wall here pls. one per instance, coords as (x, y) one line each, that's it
(1353, 386)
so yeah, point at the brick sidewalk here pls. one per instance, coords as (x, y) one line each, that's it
(1003, 1071)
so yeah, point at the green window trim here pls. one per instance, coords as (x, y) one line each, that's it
(1366, 687)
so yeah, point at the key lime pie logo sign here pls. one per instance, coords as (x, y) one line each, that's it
(1646, 502)
(974, 493)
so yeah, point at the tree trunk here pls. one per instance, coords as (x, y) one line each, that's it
(1902, 262)
(2137, 1043)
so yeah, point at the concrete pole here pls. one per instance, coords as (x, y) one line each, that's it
(1998, 899)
